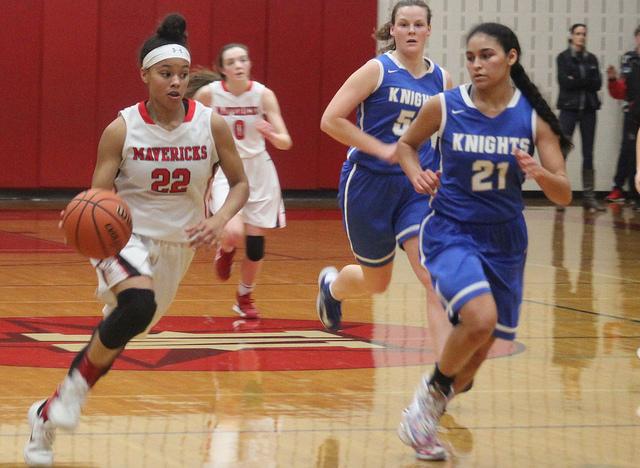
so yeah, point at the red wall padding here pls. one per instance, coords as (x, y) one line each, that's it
(241, 22)
(347, 44)
(21, 36)
(80, 66)
(68, 110)
(294, 70)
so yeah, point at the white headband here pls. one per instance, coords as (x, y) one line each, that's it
(165, 52)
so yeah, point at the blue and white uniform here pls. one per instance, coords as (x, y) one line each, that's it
(379, 205)
(474, 241)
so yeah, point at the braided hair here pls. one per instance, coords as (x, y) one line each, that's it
(508, 40)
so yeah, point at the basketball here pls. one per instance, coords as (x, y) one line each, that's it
(97, 223)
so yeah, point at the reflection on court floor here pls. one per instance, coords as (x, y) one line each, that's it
(209, 390)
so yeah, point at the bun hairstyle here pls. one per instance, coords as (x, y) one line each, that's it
(172, 30)
(384, 32)
(509, 41)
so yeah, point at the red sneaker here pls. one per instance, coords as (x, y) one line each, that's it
(246, 307)
(615, 196)
(223, 263)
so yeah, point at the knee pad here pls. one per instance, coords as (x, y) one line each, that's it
(255, 248)
(134, 313)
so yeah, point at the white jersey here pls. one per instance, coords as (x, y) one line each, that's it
(241, 114)
(164, 174)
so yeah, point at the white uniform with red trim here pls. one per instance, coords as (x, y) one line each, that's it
(164, 174)
(264, 208)
(163, 177)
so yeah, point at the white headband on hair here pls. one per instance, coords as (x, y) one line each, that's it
(165, 52)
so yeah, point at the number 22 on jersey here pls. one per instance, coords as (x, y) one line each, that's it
(165, 181)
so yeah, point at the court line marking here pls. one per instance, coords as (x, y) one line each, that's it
(330, 429)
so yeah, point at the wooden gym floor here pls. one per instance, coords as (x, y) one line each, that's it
(210, 390)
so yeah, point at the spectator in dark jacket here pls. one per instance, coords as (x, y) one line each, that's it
(579, 79)
(626, 86)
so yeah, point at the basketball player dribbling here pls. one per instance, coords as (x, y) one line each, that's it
(252, 112)
(380, 208)
(159, 156)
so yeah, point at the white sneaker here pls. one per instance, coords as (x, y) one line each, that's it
(65, 406)
(426, 445)
(419, 425)
(39, 448)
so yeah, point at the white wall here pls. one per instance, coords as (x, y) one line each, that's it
(542, 28)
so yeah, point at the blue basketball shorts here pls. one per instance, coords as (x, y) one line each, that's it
(378, 212)
(467, 260)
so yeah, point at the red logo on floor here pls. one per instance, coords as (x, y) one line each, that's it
(186, 343)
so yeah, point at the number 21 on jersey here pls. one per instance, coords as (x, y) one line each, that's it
(483, 174)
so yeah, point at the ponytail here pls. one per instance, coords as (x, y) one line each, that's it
(508, 41)
(531, 92)
(383, 33)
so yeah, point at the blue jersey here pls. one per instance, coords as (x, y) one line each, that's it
(389, 110)
(481, 181)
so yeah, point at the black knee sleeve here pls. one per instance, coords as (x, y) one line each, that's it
(255, 248)
(133, 315)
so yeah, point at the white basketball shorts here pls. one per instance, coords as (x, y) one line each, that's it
(165, 262)
(265, 208)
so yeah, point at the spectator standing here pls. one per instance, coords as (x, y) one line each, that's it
(626, 86)
(579, 79)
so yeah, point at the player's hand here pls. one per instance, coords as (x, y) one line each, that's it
(426, 182)
(531, 168)
(388, 153)
(265, 128)
(637, 180)
(205, 233)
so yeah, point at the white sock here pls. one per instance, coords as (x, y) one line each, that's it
(244, 289)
